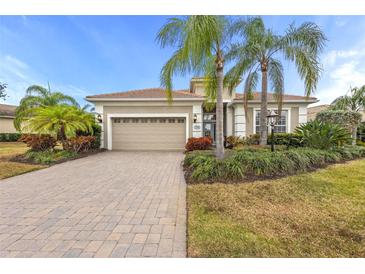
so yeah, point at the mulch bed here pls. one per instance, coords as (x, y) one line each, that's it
(22, 159)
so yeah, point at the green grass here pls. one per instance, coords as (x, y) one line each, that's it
(9, 169)
(317, 214)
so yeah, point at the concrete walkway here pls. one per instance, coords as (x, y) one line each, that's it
(113, 204)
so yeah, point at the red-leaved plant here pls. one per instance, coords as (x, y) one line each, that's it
(201, 143)
(39, 142)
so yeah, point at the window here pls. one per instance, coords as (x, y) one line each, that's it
(117, 121)
(171, 120)
(144, 121)
(181, 121)
(280, 126)
(135, 120)
(125, 120)
(162, 120)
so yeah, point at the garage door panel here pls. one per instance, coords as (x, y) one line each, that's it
(149, 135)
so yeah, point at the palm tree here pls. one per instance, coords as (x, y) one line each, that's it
(61, 121)
(258, 54)
(200, 41)
(38, 96)
(354, 101)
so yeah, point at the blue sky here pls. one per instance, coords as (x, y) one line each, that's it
(84, 55)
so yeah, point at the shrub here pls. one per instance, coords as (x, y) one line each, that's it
(286, 139)
(233, 141)
(49, 156)
(343, 118)
(9, 137)
(96, 131)
(248, 163)
(322, 135)
(38, 142)
(253, 139)
(80, 143)
(202, 143)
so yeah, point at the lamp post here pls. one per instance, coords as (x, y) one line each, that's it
(271, 119)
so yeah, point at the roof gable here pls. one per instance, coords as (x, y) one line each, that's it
(7, 110)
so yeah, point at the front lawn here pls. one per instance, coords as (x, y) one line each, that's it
(9, 168)
(10, 149)
(317, 214)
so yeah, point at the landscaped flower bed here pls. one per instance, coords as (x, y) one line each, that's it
(250, 164)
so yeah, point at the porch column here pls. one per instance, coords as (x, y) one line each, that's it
(229, 121)
(239, 121)
(198, 125)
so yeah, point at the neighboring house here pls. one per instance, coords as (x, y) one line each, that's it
(7, 115)
(144, 120)
(312, 111)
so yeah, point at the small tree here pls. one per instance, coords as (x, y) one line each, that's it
(345, 118)
(3, 90)
(62, 121)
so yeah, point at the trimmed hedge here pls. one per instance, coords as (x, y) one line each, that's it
(256, 164)
(9, 137)
(286, 139)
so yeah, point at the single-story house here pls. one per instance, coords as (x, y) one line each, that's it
(145, 120)
(7, 115)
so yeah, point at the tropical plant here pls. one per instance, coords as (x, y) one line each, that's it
(258, 54)
(345, 118)
(38, 96)
(322, 135)
(201, 143)
(60, 121)
(200, 41)
(353, 101)
(261, 163)
(38, 142)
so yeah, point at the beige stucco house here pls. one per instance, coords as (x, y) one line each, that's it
(7, 114)
(145, 120)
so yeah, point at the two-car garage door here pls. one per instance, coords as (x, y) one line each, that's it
(148, 133)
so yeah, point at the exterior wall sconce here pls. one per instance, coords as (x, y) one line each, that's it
(271, 119)
(99, 119)
(195, 118)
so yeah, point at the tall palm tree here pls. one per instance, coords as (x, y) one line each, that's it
(258, 54)
(354, 101)
(199, 42)
(38, 96)
(61, 121)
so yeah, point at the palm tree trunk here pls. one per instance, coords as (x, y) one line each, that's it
(263, 113)
(354, 135)
(219, 111)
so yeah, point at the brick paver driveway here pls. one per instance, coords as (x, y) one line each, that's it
(113, 204)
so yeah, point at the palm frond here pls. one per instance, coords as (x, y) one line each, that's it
(38, 90)
(276, 76)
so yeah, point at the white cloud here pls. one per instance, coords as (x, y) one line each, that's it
(19, 76)
(334, 55)
(346, 75)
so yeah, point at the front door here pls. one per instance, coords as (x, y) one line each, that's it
(209, 120)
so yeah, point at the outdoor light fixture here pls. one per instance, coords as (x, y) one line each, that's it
(271, 119)
(99, 119)
(195, 118)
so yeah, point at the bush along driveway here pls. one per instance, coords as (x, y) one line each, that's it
(317, 214)
(258, 163)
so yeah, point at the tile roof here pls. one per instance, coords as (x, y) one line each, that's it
(7, 110)
(146, 93)
(270, 97)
